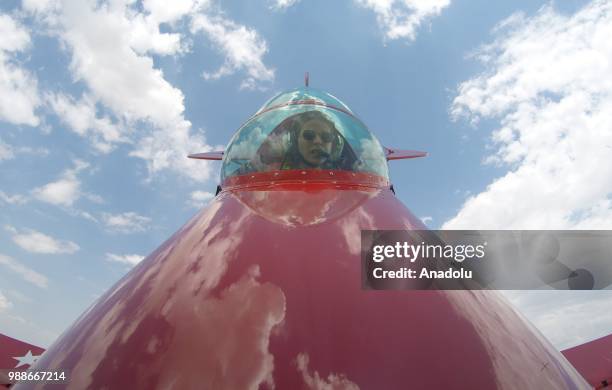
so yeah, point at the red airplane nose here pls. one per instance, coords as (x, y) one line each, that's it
(240, 299)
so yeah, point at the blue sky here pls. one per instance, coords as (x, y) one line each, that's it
(101, 101)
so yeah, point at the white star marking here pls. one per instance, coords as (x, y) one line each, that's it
(27, 359)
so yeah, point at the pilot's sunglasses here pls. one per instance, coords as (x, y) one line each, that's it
(309, 135)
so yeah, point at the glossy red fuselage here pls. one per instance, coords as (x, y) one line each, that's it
(262, 289)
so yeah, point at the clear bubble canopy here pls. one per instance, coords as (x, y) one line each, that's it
(302, 129)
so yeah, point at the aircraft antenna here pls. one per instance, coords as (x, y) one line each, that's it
(306, 79)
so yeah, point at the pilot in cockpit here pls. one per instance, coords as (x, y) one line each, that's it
(314, 143)
(309, 140)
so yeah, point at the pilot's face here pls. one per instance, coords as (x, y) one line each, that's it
(315, 141)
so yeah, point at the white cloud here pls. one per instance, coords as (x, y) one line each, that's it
(281, 5)
(102, 57)
(18, 87)
(64, 191)
(167, 12)
(243, 49)
(81, 117)
(86, 215)
(199, 199)
(168, 149)
(426, 219)
(94, 197)
(548, 80)
(567, 318)
(4, 303)
(12, 199)
(145, 33)
(26, 273)
(39, 152)
(125, 259)
(14, 36)
(37, 242)
(111, 45)
(401, 18)
(129, 222)
(41, 6)
(6, 151)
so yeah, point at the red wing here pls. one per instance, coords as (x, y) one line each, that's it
(395, 154)
(593, 360)
(15, 354)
